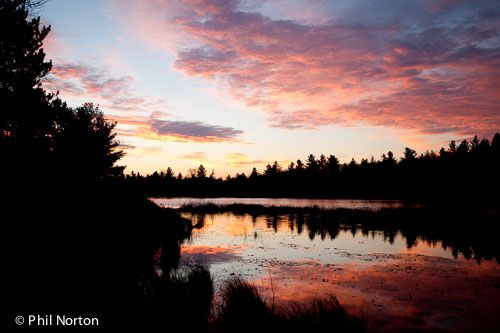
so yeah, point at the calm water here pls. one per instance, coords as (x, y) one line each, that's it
(323, 203)
(399, 284)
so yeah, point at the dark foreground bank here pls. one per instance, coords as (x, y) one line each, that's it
(80, 250)
(77, 255)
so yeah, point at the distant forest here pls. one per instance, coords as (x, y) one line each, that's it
(467, 171)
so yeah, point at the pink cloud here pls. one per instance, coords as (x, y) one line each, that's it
(412, 68)
(435, 6)
(85, 81)
(196, 156)
(136, 115)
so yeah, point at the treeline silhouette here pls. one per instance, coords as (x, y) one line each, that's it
(468, 170)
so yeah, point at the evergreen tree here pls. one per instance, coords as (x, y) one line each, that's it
(312, 164)
(333, 165)
(169, 173)
(26, 120)
(85, 143)
(40, 136)
(201, 172)
(254, 173)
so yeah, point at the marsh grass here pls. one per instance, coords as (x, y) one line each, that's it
(319, 315)
(185, 299)
(181, 297)
(242, 309)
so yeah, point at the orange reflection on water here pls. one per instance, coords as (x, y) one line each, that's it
(196, 249)
(399, 292)
(238, 225)
(403, 283)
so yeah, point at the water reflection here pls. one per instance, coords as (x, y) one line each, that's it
(400, 292)
(420, 232)
(404, 268)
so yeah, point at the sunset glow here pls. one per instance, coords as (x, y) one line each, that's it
(237, 84)
(308, 164)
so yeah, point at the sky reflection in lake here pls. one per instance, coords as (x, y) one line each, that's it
(421, 287)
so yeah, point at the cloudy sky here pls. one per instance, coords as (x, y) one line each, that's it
(237, 84)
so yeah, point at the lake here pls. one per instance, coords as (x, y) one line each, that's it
(402, 279)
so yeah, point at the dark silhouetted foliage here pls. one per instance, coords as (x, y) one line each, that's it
(241, 302)
(319, 315)
(26, 116)
(40, 136)
(242, 309)
(468, 171)
(85, 144)
(67, 228)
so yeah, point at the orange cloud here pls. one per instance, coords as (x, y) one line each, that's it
(238, 160)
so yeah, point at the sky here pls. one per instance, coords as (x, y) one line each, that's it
(234, 85)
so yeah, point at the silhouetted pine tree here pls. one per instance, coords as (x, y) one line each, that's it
(26, 119)
(40, 136)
